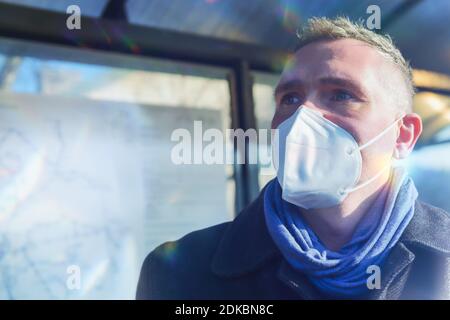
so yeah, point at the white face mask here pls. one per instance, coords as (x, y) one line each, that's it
(318, 163)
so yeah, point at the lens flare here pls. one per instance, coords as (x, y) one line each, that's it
(289, 13)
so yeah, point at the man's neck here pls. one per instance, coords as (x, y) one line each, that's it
(335, 226)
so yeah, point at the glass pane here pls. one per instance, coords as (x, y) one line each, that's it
(88, 185)
(263, 87)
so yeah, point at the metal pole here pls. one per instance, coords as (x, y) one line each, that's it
(243, 117)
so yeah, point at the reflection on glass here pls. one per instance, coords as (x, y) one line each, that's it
(87, 185)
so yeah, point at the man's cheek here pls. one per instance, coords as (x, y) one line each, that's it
(376, 160)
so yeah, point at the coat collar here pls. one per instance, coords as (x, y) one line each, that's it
(247, 245)
(429, 228)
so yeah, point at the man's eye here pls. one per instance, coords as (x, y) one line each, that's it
(291, 100)
(341, 96)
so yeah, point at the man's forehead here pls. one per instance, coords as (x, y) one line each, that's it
(343, 58)
(337, 49)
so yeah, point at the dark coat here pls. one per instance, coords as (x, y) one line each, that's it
(239, 260)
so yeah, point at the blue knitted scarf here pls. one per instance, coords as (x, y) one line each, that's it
(342, 274)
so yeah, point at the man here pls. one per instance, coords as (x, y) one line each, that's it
(339, 221)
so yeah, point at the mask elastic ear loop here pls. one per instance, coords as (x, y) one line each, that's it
(382, 133)
(365, 183)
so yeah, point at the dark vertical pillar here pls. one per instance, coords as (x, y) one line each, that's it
(243, 117)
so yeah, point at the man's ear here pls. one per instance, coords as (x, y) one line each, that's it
(409, 131)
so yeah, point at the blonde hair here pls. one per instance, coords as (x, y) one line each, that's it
(318, 29)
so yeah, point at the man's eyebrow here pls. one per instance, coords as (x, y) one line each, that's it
(342, 82)
(337, 81)
(288, 85)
